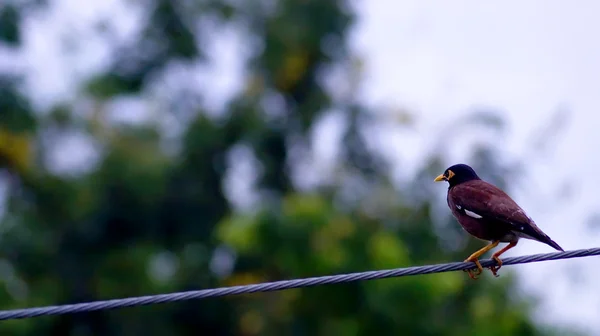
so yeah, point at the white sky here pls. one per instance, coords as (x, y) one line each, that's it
(440, 59)
(527, 58)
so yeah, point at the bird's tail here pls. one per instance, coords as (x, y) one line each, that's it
(537, 234)
(552, 243)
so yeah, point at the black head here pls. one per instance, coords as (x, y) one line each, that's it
(457, 174)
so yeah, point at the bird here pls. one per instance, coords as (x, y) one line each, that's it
(489, 214)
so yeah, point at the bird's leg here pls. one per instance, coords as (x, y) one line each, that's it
(474, 258)
(495, 256)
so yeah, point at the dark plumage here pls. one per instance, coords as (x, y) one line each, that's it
(488, 213)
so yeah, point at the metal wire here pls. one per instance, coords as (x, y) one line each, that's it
(281, 285)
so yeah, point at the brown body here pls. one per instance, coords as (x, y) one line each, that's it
(502, 219)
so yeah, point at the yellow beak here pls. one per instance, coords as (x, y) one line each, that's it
(440, 178)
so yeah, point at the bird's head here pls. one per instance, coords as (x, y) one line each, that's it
(457, 174)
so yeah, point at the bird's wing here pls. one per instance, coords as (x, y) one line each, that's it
(482, 200)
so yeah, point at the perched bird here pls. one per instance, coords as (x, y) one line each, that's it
(488, 213)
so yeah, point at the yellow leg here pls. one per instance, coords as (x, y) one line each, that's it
(474, 258)
(495, 256)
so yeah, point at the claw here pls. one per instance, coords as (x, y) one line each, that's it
(495, 256)
(495, 269)
(474, 258)
(471, 272)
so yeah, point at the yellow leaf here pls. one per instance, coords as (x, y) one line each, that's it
(251, 323)
(16, 149)
(238, 232)
(246, 278)
(341, 227)
(293, 69)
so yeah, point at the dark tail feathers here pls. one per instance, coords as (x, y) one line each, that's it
(537, 234)
(552, 243)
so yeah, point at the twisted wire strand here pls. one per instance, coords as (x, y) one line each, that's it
(281, 285)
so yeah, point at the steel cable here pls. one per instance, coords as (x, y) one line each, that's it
(281, 285)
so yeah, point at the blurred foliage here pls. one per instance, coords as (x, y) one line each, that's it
(153, 215)
(9, 25)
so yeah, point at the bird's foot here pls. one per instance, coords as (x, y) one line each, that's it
(495, 269)
(474, 273)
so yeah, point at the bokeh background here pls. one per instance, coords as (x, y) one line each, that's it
(156, 146)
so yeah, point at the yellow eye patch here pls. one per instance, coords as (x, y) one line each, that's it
(450, 174)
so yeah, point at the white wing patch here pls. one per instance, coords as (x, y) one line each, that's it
(472, 214)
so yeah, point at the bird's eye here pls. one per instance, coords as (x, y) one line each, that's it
(449, 174)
